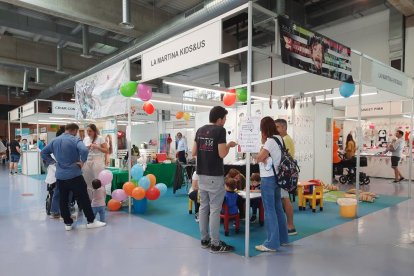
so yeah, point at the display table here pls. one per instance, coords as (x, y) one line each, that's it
(163, 172)
(380, 166)
(30, 162)
(120, 177)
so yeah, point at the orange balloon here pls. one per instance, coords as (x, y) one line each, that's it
(138, 193)
(114, 205)
(179, 115)
(153, 179)
(229, 98)
(148, 108)
(128, 187)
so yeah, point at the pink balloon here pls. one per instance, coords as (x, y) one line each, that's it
(144, 92)
(105, 177)
(119, 195)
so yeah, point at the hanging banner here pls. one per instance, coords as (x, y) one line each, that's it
(313, 52)
(97, 96)
(14, 115)
(193, 49)
(63, 108)
(389, 79)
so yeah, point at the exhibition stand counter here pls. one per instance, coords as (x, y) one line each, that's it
(163, 172)
(30, 161)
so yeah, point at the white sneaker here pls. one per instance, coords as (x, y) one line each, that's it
(95, 224)
(68, 227)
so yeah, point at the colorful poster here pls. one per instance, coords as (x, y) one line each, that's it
(97, 96)
(313, 52)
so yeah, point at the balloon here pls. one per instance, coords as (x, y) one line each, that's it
(119, 195)
(144, 182)
(148, 107)
(162, 188)
(114, 205)
(346, 89)
(138, 193)
(179, 115)
(229, 99)
(241, 94)
(105, 177)
(153, 179)
(128, 187)
(186, 116)
(153, 193)
(137, 172)
(128, 89)
(144, 92)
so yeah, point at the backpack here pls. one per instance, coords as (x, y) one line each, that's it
(288, 175)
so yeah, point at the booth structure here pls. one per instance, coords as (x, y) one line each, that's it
(296, 86)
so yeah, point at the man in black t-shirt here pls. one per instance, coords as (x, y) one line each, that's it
(15, 151)
(210, 148)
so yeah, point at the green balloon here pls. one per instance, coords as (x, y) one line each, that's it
(128, 89)
(241, 94)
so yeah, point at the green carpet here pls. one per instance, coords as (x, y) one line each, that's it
(38, 176)
(172, 212)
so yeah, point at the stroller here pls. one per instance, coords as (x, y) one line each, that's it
(50, 189)
(349, 165)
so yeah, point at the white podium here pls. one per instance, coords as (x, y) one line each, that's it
(30, 162)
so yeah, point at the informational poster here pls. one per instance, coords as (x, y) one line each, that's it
(389, 79)
(249, 135)
(97, 96)
(313, 52)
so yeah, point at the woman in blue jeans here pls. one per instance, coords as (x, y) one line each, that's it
(275, 219)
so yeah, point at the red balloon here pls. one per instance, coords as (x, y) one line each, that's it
(152, 193)
(229, 98)
(148, 108)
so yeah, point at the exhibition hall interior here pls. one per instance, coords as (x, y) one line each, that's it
(206, 137)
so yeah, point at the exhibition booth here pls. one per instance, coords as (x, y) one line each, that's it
(179, 80)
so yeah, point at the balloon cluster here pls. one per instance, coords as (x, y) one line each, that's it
(335, 157)
(143, 91)
(139, 188)
(182, 115)
(230, 97)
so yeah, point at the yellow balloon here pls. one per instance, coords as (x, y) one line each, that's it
(186, 116)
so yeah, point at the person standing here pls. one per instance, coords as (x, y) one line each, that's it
(281, 127)
(70, 154)
(15, 151)
(210, 148)
(396, 149)
(181, 148)
(97, 147)
(275, 219)
(350, 147)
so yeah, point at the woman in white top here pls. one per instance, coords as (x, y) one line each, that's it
(96, 158)
(275, 219)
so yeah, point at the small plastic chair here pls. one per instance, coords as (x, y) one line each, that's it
(227, 217)
(317, 194)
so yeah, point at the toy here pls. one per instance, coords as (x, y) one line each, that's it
(382, 137)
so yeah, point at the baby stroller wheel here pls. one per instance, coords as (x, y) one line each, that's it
(343, 179)
(367, 181)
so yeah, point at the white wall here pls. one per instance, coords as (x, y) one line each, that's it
(144, 133)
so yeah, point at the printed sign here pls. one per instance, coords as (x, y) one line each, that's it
(195, 48)
(388, 79)
(97, 96)
(28, 109)
(313, 52)
(249, 135)
(369, 110)
(23, 132)
(63, 108)
(14, 115)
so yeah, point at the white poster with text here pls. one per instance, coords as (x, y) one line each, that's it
(249, 135)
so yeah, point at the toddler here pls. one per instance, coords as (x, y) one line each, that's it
(254, 188)
(98, 199)
(231, 197)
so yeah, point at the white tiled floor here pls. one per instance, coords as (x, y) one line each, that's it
(381, 243)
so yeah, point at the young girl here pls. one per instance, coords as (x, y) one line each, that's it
(98, 199)
(254, 188)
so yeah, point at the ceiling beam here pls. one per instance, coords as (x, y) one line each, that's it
(405, 7)
(101, 14)
(26, 53)
(13, 76)
(12, 19)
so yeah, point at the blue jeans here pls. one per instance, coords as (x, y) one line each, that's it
(275, 219)
(101, 211)
(55, 206)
